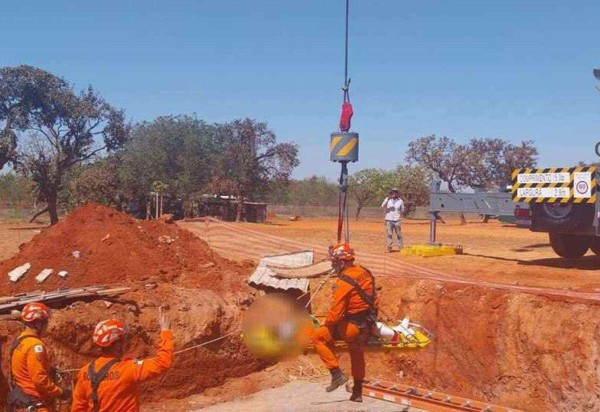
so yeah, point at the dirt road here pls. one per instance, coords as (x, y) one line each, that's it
(493, 252)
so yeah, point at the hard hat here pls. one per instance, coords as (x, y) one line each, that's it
(341, 251)
(108, 332)
(394, 189)
(35, 311)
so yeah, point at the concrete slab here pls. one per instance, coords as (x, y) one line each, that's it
(18, 272)
(43, 275)
(302, 396)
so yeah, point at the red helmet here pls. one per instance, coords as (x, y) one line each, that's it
(108, 332)
(35, 311)
(341, 251)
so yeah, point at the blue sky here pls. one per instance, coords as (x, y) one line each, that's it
(510, 69)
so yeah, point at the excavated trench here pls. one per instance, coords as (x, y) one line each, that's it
(524, 351)
(520, 350)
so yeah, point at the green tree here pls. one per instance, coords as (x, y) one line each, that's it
(367, 184)
(23, 94)
(56, 128)
(442, 155)
(310, 191)
(481, 164)
(15, 189)
(490, 162)
(98, 182)
(413, 184)
(251, 160)
(313, 191)
(181, 151)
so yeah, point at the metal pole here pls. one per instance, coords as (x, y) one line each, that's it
(156, 206)
(433, 228)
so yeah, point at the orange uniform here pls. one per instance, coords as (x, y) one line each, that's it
(119, 389)
(339, 325)
(30, 367)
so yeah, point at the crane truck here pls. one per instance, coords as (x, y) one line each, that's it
(563, 202)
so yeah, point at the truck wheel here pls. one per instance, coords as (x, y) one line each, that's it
(562, 216)
(569, 246)
(595, 245)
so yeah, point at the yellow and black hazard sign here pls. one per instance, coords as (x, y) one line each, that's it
(343, 147)
(555, 185)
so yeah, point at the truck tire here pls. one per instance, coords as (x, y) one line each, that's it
(569, 246)
(595, 245)
(565, 216)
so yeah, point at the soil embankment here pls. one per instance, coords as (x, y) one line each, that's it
(514, 349)
(165, 266)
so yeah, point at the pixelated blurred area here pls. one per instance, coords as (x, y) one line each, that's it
(276, 327)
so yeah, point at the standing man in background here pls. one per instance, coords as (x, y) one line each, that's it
(394, 209)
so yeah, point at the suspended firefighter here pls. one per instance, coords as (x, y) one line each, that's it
(32, 387)
(351, 318)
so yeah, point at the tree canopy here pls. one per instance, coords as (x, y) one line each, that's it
(484, 164)
(180, 151)
(367, 184)
(48, 128)
(371, 186)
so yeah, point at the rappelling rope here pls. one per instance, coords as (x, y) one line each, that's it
(327, 279)
(343, 205)
(186, 349)
(207, 343)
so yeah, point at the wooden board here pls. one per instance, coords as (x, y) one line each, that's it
(9, 303)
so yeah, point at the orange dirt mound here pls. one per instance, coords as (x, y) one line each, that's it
(203, 293)
(114, 248)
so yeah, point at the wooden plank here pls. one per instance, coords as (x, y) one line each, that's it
(57, 296)
(59, 292)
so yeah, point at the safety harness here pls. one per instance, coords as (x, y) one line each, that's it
(365, 318)
(96, 378)
(17, 398)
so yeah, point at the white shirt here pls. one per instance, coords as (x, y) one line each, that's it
(393, 208)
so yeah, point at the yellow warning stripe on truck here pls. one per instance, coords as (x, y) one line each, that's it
(555, 185)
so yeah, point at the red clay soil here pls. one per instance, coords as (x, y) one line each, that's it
(115, 248)
(519, 350)
(204, 294)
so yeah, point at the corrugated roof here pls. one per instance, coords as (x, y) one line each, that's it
(264, 276)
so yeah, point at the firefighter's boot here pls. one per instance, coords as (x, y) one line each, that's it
(337, 379)
(357, 392)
